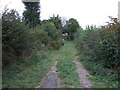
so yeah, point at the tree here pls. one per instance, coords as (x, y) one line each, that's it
(52, 31)
(32, 13)
(71, 28)
(56, 21)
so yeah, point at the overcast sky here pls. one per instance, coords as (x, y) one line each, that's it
(87, 12)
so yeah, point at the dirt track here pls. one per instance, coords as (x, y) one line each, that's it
(51, 80)
(82, 74)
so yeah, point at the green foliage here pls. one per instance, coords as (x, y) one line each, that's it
(81, 35)
(94, 67)
(71, 28)
(38, 38)
(53, 33)
(29, 72)
(19, 41)
(98, 72)
(100, 51)
(56, 44)
(107, 47)
(108, 50)
(104, 82)
(51, 30)
(56, 21)
(32, 13)
(14, 36)
(68, 73)
(92, 27)
(67, 68)
(102, 45)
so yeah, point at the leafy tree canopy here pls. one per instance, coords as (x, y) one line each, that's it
(32, 13)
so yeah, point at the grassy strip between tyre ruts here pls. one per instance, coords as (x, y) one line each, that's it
(67, 68)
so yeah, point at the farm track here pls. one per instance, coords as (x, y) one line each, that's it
(83, 74)
(51, 80)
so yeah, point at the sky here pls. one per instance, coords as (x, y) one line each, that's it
(87, 12)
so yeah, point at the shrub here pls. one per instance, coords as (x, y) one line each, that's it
(56, 44)
(101, 44)
(20, 41)
(38, 39)
(14, 36)
(51, 30)
(53, 33)
(106, 51)
(71, 28)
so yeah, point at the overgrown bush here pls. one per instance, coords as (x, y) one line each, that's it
(14, 36)
(18, 40)
(50, 28)
(106, 50)
(38, 39)
(81, 37)
(101, 44)
(56, 44)
(54, 34)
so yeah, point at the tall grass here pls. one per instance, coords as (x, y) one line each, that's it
(28, 73)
